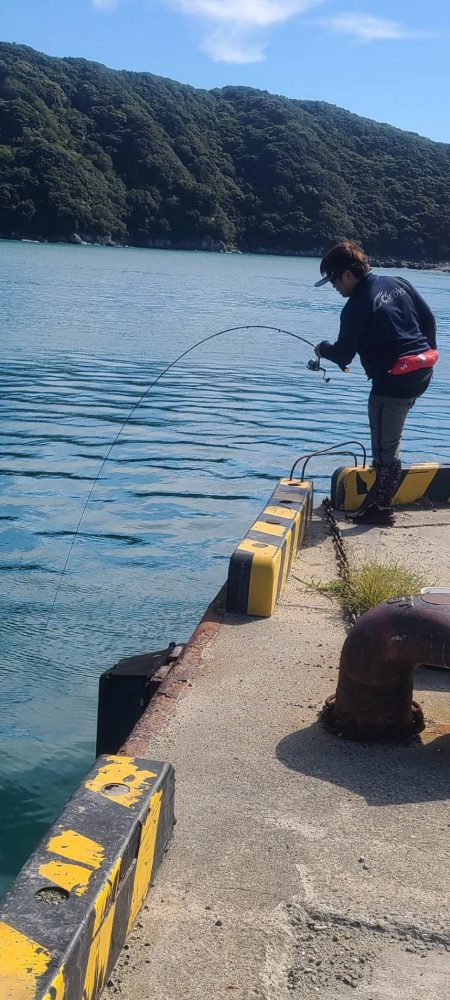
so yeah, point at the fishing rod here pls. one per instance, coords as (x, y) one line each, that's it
(313, 365)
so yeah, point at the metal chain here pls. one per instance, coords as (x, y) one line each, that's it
(340, 553)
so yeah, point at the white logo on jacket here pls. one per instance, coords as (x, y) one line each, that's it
(384, 298)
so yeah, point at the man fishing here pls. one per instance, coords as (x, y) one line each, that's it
(393, 330)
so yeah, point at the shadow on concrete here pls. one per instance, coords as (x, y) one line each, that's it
(234, 620)
(432, 679)
(383, 773)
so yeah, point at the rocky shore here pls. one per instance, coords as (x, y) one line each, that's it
(421, 265)
(210, 245)
(217, 246)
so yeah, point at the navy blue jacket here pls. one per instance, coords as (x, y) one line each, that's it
(383, 319)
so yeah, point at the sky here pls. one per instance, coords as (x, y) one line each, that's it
(388, 60)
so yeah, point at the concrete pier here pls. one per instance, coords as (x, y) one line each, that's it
(302, 864)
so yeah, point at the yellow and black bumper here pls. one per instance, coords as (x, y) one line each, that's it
(352, 485)
(67, 915)
(260, 564)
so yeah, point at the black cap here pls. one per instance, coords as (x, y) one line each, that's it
(328, 277)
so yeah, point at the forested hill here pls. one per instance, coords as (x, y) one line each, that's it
(147, 161)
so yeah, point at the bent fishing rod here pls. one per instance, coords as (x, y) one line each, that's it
(312, 365)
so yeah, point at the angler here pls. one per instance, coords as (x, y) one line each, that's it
(393, 330)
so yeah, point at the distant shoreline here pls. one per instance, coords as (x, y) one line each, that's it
(210, 246)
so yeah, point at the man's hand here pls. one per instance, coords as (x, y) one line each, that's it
(317, 350)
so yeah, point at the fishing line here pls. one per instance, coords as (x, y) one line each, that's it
(231, 329)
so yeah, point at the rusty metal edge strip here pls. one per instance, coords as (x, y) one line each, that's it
(176, 683)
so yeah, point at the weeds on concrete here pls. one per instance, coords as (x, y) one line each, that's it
(373, 583)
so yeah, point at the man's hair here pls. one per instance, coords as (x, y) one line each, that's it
(345, 256)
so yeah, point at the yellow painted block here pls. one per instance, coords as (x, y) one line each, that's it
(120, 771)
(22, 962)
(66, 952)
(416, 482)
(77, 847)
(145, 858)
(254, 546)
(262, 593)
(280, 512)
(353, 499)
(306, 483)
(266, 528)
(255, 584)
(98, 958)
(72, 878)
(106, 895)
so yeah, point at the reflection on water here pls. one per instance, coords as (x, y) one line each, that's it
(189, 473)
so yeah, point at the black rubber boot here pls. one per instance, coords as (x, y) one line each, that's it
(373, 514)
(387, 483)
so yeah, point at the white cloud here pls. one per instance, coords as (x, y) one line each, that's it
(248, 13)
(239, 27)
(367, 28)
(105, 4)
(231, 48)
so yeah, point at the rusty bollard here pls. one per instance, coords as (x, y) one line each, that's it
(373, 700)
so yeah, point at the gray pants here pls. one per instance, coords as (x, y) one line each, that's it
(387, 417)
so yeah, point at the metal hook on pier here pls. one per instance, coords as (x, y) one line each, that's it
(330, 450)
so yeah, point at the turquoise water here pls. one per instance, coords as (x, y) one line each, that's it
(84, 331)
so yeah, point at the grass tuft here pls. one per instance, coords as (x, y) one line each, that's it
(373, 583)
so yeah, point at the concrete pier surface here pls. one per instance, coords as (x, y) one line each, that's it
(302, 864)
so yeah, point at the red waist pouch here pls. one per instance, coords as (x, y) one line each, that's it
(411, 362)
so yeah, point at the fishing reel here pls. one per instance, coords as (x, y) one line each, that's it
(315, 366)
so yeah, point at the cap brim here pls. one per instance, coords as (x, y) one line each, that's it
(322, 281)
